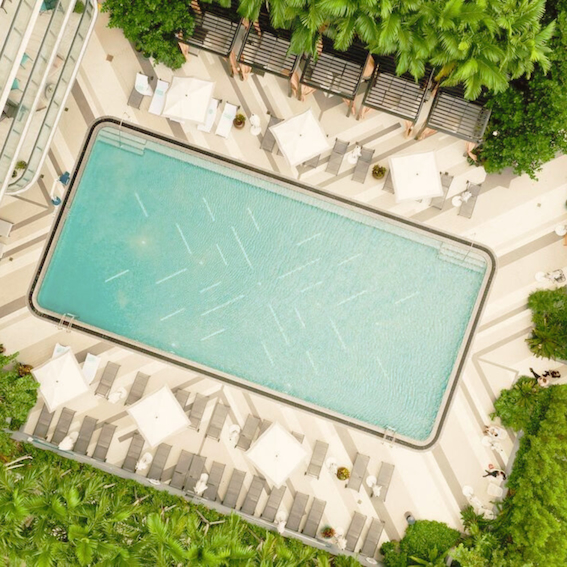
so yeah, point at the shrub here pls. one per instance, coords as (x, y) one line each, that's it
(343, 473)
(549, 316)
(152, 25)
(425, 540)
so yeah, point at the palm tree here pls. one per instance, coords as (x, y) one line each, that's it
(162, 541)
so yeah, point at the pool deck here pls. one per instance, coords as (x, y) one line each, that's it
(514, 216)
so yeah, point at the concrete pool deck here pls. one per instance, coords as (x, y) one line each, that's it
(514, 216)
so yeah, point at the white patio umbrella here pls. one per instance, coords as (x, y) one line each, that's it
(188, 99)
(300, 138)
(158, 416)
(61, 380)
(276, 454)
(415, 177)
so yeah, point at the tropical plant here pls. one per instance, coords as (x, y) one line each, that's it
(517, 406)
(549, 316)
(153, 26)
(528, 124)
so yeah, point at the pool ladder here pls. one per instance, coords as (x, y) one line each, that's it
(66, 322)
(389, 436)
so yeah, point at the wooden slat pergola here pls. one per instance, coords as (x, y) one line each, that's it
(266, 48)
(336, 72)
(400, 95)
(216, 28)
(452, 114)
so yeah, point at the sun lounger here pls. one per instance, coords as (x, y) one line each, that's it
(104, 440)
(273, 503)
(438, 202)
(234, 488)
(63, 425)
(158, 100)
(134, 452)
(358, 471)
(141, 89)
(388, 183)
(197, 411)
(196, 469)
(211, 116)
(5, 228)
(1, 249)
(225, 123)
(317, 459)
(299, 436)
(137, 389)
(337, 155)
(467, 208)
(355, 529)
(313, 162)
(90, 367)
(182, 396)
(181, 469)
(384, 479)
(158, 463)
(362, 165)
(248, 432)
(269, 140)
(297, 511)
(215, 477)
(253, 495)
(264, 426)
(107, 379)
(85, 435)
(372, 538)
(43, 423)
(217, 421)
(314, 518)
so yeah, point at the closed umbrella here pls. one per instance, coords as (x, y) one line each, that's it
(61, 380)
(300, 138)
(188, 99)
(158, 416)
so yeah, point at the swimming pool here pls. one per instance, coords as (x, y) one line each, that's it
(336, 308)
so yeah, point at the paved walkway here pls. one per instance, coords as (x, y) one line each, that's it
(514, 216)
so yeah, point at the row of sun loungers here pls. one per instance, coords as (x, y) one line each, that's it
(190, 467)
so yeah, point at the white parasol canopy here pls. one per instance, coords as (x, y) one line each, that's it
(158, 416)
(188, 99)
(276, 454)
(61, 380)
(300, 138)
(416, 177)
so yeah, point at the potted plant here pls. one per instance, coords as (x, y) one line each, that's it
(24, 369)
(20, 165)
(343, 473)
(328, 532)
(378, 171)
(239, 121)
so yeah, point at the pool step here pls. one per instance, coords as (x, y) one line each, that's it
(123, 140)
(466, 258)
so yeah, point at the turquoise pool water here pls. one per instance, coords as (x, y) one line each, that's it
(350, 312)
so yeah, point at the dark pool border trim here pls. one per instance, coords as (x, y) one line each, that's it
(449, 394)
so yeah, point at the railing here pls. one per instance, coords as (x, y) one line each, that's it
(12, 51)
(32, 92)
(58, 100)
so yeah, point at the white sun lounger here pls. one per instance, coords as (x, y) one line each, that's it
(158, 100)
(225, 123)
(5, 228)
(90, 367)
(142, 85)
(211, 116)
